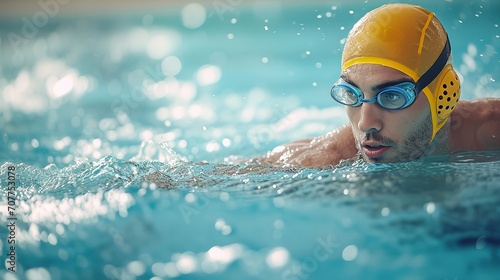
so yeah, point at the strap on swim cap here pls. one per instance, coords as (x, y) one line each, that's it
(435, 69)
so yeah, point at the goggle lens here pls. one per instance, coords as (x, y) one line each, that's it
(392, 98)
(344, 95)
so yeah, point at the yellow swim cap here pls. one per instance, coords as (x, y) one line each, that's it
(410, 39)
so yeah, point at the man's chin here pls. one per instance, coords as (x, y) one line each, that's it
(387, 159)
(377, 160)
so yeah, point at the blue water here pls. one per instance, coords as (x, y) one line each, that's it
(123, 128)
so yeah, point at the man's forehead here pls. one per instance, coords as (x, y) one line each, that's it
(373, 69)
(373, 75)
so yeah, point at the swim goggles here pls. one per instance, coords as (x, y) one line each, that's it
(391, 98)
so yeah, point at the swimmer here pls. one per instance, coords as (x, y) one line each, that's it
(401, 96)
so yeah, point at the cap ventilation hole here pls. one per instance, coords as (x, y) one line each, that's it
(447, 94)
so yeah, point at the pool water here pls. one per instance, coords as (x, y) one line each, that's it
(120, 132)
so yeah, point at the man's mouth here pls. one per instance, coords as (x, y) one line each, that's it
(374, 150)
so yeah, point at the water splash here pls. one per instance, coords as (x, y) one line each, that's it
(152, 151)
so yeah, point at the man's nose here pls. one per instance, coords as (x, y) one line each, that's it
(371, 118)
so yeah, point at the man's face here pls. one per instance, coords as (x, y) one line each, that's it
(387, 135)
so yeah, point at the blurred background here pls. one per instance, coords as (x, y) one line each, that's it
(213, 80)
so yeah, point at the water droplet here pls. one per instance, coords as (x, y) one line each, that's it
(136, 268)
(430, 207)
(186, 263)
(226, 142)
(385, 212)
(277, 257)
(34, 143)
(350, 253)
(171, 65)
(193, 15)
(190, 198)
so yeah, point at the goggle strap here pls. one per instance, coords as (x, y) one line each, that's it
(435, 69)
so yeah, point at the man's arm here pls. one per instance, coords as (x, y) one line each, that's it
(320, 151)
(476, 125)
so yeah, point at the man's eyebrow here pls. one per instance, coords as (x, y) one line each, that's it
(347, 80)
(391, 83)
(380, 86)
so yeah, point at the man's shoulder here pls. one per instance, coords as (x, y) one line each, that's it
(475, 124)
(477, 110)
